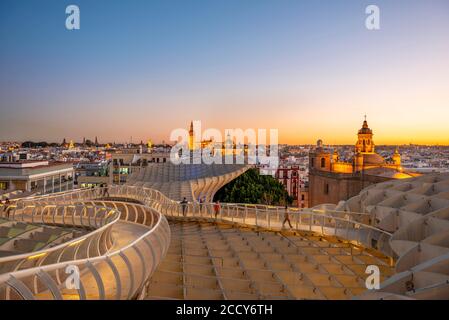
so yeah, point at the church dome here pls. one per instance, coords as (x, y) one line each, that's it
(373, 158)
(365, 129)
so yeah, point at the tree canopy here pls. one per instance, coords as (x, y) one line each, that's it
(31, 144)
(252, 187)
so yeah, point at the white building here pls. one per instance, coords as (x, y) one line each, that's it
(36, 176)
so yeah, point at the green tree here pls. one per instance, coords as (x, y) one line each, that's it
(31, 144)
(252, 187)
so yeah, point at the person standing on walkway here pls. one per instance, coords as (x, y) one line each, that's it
(105, 190)
(94, 191)
(7, 204)
(201, 201)
(217, 208)
(184, 203)
(286, 218)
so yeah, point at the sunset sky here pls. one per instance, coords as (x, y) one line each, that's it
(143, 68)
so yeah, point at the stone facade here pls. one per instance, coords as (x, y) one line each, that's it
(332, 180)
(330, 187)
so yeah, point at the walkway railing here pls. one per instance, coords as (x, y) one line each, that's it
(351, 226)
(340, 225)
(122, 274)
(96, 219)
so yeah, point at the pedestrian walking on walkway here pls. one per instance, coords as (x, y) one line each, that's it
(217, 208)
(105, 190)
(201, 201)
(7, 204)
(184, 204)
(286, 218)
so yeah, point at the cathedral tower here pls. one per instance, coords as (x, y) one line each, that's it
(191, 137)
(365, 143)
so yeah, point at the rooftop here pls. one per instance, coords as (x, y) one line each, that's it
(22, 164)
(32, 164)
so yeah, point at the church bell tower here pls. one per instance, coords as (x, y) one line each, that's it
(365, 143)
(191, 137)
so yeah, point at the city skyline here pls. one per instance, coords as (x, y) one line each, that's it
(310, 70)
(96, 141)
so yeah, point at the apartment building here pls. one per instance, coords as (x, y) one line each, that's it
(40, 177)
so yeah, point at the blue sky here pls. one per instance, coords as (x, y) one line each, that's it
(142, 68)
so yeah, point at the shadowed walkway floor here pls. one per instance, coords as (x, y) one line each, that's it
(126, 232)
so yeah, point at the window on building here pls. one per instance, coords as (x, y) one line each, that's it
(302, 197)
(3, 185)
(323, 162)
(124, 171)
(326, 188)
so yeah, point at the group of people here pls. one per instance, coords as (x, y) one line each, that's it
(217, 210)
(104, 190)
(4, 206)
(184, 204)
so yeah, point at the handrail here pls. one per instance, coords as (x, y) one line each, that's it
(173, 208)
(133, 260)
(352, 230)
(140, 258)
(14, 262)
(144, 239)
(194, 208)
